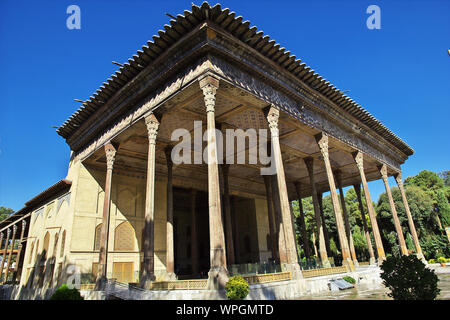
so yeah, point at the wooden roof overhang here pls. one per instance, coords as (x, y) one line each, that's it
(212, 40)
(25, 213)
(180, 32)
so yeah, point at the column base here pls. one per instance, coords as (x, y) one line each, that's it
(170, 276)
(325, 264)
(146, 281)
(294, 269)
(349, 264)
(420, 256)
(217, 278)
(100, 283)
(355, 263)
(404, 251)
(372, 261)
(380, 260)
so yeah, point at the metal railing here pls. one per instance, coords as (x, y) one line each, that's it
(254, 268)
(314, 263)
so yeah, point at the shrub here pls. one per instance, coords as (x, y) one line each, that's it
(442, 260)
(64, 293)
(236, 288)
(349, 279)
(431, 261)
(409, 279)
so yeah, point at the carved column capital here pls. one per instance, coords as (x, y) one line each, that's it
(209, 86)
(14, 229)
(110, 151)
(24, 224)
(152, 123)
(358, 156)
(322, 142)
(383, 172)
(272, 115)
(399, 180)
(8, 233)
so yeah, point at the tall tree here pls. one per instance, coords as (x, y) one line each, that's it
(5, 212)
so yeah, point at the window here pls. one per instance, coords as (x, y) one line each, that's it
(48, 210)
(36, 252)
(123, 271)
(30, 258)
(45, 247)
(124, 237)
(55, 245)
(63, 244)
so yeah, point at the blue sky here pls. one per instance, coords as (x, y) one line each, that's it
(399, 73)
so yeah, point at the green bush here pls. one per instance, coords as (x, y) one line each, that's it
(236, 288)
(409, 279)
(431, 261)
(64, 293)
(442, 260)
(349, 279)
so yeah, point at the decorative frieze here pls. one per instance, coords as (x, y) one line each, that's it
(309, 114)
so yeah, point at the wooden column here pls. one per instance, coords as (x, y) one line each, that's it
(194, 242)
(13, 239)
(218, 274)
(3, 261)
(412, 228)
(322, 141)
(309, 162)
(348, 231)
(358, 156)
(270, 214)
(324, 224)
(170, 258)
(110, 151)
(357, 188)
(398, 227)
(237, 245)
(148, 267)
(279, 232)
(8, 233)
(19, 250)
(301, 222)
(227, 209)
(314, 245)
(291, 262)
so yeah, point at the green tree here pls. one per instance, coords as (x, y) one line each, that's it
(445, 176)
(443, 207)
(409, 279)
(426, 180)
(5, 212)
